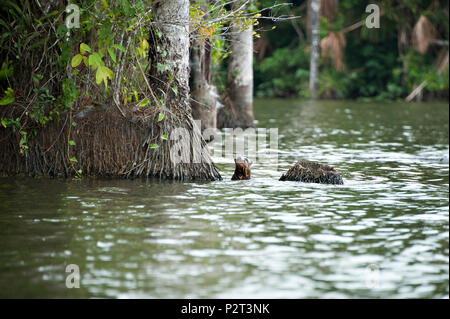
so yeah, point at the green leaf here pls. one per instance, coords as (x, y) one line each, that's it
(154, 146)
(144, 102)
(72, 143)
(102, 75)
(6, 70)
(37, 78)
(8, 98)
(84, 48)
(95, 60)
(61, 30)
(160, 117)
(164, 137)
(80, 171)
(112, 54)
(175, 89)
(4, 122)
(73, 159)
(118, 47)
(76, 60)
(74, 124)
(161, 67)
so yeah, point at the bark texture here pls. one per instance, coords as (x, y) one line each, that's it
(108, 143)
(314, 64)
(238, 109)
(172, 50)
(204, 98)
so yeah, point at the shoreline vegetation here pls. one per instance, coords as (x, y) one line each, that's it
(405, 58)
(114, 88)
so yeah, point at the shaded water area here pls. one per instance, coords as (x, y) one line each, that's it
(384, 234)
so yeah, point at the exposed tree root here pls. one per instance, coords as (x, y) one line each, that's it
(106, 144)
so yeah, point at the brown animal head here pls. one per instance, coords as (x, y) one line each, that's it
(242, 170)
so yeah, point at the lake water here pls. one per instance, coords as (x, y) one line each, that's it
(384, 234)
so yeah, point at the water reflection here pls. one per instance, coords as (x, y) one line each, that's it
(256, 238)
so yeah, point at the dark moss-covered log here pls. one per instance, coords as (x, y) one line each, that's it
(312, 172)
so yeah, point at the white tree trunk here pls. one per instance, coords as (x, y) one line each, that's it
(314, 64)
(172, 19)
(240, 69)
(170, 84)
(240, 77)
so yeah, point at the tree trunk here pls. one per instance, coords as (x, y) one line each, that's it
(184, 155)
(203, 93)
(314, 66)
(160, 140)
(238, 109)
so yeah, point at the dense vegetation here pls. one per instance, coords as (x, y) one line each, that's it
(70, 93)
(410, 47)
(67, 95)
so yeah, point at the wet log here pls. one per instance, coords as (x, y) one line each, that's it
(312, 172)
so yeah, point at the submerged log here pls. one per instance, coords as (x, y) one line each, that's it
(312, 172)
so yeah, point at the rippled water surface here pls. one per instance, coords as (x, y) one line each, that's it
(385, 233)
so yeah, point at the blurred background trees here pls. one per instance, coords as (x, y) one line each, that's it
(408, 53)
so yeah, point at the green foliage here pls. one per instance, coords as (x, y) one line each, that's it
(333, 84)
(14, 124)
(282, 74)
(144, 102)
(6, 70)
(68, 60)
(8, 98)
(30, 39)
(374, 68)
(38, 113)
(420, 71)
